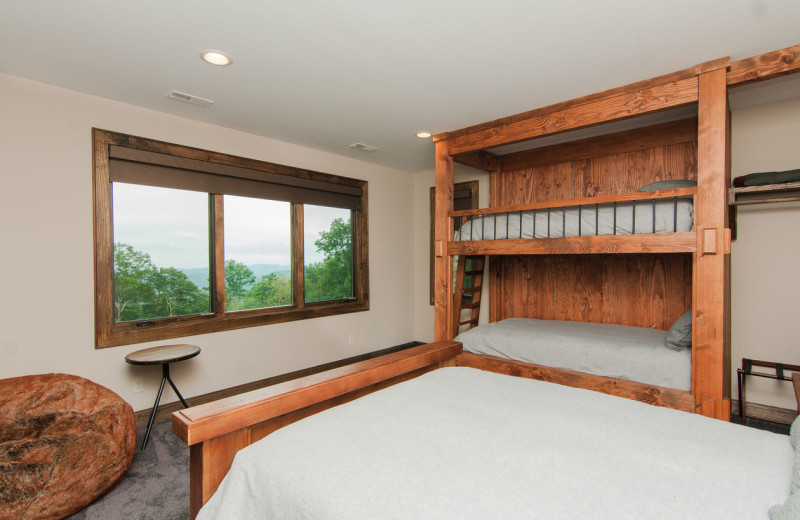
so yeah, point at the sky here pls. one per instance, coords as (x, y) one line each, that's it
(172, 226)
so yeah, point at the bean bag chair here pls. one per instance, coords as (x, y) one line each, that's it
(64, 442)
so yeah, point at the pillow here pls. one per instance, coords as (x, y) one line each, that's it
(789, 510)
(669, 185)
(679, 336)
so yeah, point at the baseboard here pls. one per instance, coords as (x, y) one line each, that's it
(765, 412)
(166, 410)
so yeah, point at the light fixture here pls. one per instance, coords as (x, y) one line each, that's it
(216, 57)
(423, 135)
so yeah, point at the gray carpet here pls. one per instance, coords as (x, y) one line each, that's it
(156, 486)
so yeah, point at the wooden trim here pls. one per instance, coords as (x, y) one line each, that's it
(623, 106)
(636, 243)
(109, 334)
(675, 132)
(765, 66)
(298, 257)
(165, 411)
(216, 431)
(766, 412)
(586, 201)
(656, 395)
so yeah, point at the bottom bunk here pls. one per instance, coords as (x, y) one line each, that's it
(464, 443)
(648, 365)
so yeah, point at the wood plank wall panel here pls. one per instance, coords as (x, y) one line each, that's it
(650, 290)
(604, 175)
(637, 290)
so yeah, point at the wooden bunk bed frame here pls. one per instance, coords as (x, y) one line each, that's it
(703, 255)
(216, 431)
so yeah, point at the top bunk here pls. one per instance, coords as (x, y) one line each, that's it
(564, 164)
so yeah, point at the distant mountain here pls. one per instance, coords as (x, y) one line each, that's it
(199, 275)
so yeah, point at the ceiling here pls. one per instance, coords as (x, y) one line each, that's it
(326, 74)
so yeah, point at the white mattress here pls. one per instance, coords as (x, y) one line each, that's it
(460, 443)
(583, 221)
(632, 353)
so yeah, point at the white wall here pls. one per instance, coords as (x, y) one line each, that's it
(47, 251)
(765, 286)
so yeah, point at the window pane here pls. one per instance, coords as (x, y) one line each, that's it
(258, 250)
(328, 250)
(161, 252)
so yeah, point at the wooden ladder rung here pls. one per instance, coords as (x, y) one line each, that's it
(471, 305)
(468, 321)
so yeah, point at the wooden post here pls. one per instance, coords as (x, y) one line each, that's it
(711, 331)
(443, 272)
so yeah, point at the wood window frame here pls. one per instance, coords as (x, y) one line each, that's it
(294, 181)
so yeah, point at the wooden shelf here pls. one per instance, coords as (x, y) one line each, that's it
(768, 193)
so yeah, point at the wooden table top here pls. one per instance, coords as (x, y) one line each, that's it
(162, 354)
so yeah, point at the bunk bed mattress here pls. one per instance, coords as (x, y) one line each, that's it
(632, 353)
(461, 443)
(665, 216)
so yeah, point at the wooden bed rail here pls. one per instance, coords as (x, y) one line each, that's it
(216, 431)
(586, 201)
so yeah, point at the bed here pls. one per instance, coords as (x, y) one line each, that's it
(464, 443)
(618, 351)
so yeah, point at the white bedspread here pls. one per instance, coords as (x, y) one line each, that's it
(460, 443)
(632, 353)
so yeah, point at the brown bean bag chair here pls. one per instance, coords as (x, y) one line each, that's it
(64, 441)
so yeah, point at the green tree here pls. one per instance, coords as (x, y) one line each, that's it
(133, 277)
(332, 278)
(271, 290)
(238, 279)
(176, 295)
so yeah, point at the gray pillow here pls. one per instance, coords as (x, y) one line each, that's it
(679, 336)
(668, 185)
(789, 510)
(794, 433)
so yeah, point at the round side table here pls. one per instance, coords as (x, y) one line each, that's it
(163, 355)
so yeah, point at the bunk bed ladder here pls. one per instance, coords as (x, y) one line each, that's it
(467, 295)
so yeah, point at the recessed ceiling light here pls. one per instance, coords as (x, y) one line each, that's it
(423, 135)
(216, 57)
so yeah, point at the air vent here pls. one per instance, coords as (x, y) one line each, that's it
(363, 147)
(188, 98)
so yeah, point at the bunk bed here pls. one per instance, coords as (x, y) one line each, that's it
(569, 236)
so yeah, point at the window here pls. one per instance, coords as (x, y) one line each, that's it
(189, 241)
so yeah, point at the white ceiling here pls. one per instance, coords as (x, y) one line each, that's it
(326, 74)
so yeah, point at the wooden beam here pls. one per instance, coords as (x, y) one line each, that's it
(558, 107)
(639, 243)
(613, 108)
(481, 160)
(443, 272)
(682, 131)
(765, 66)
(720, 63)
(711, 338)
